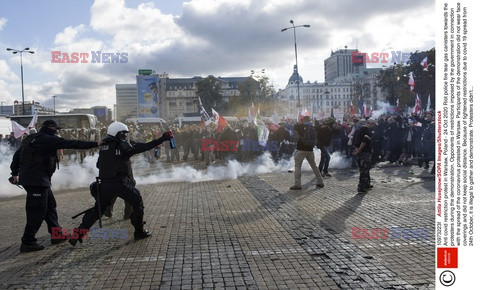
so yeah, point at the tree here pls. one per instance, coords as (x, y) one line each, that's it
(394, 80)
(249, 90)
(266, 89)
(208, 89)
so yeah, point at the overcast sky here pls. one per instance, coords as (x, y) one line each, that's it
(191, 38)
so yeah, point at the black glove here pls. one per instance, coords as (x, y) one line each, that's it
(12, 181)
(167, 136)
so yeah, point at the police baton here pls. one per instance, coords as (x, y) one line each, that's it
(14, 183)
(79, 214)
(98, 203)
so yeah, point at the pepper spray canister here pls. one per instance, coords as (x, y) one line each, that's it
(173, 145)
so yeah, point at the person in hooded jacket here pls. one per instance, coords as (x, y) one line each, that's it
(116, 178)
(32, 166)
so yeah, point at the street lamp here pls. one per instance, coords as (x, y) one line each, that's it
(15, 51)
(54, 104)
(296, 61)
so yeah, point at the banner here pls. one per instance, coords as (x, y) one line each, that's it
(148, 99)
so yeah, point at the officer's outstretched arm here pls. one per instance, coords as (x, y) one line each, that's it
(130, 150)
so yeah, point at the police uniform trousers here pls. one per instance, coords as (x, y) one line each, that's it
(364, 165)
(40, 206)
(110, 189)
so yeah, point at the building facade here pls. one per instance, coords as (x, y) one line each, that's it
(346, 84)
(342, 63)
(30, 108)
(177, 96)
(126, 101)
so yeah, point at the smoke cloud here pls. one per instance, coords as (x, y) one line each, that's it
(73, 175)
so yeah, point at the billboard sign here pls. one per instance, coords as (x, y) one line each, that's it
(148, 99)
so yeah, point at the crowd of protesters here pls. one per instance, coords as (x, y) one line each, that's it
(396, 138)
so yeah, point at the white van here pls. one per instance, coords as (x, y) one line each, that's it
(5, 126)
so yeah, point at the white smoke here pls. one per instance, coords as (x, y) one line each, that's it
(382, 108)
(73, 175)
(7, 189)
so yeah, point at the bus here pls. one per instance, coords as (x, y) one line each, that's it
(87, 124)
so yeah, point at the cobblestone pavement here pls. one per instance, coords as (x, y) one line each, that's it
(249, 233)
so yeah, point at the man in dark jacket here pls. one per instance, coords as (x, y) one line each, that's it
(115, 172)
(362, 140)
(306, 138)
(32, 167)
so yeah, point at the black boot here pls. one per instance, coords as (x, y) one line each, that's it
(142, 235)
(31, 247)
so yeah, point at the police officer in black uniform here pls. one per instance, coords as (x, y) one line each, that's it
(116, 176)
(32, 166)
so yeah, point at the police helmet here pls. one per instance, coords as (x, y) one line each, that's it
(115, 128)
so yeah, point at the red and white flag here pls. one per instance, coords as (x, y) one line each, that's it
(19, 130)
(418, 105)
(352, 109)
(33, 122)
(365, 110)
(219, 121)
(424, 63)
(411, 81)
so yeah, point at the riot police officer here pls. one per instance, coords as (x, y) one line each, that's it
(32, 166)
(115, 172)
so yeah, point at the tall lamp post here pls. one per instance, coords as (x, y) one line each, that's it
(15, 51)
(296, 61)
(54, 104)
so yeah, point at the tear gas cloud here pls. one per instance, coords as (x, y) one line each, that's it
(73, 175)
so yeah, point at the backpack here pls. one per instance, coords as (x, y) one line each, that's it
(309, 136)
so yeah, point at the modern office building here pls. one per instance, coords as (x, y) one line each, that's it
(126, 101)
(342, 63)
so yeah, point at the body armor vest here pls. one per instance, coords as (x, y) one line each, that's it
(29, 155)
(110, 163)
